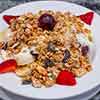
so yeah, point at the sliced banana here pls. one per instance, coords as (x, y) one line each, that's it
(24, 71)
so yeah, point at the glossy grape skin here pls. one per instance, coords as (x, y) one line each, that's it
(46, 22)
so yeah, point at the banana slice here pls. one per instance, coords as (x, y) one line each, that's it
(24, 71)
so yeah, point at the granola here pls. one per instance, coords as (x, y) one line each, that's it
(42, 52)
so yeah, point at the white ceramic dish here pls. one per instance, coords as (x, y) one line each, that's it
(6, 95)
(13, 84)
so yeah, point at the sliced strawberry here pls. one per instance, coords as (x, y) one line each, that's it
(8, 18)
(66, 78)
(8, 66)
(87, 18)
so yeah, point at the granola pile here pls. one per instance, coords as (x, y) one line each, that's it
(42, 51)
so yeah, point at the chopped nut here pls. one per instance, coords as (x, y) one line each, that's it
(36, 83)
(49, 83)
(79, 72)
(41, 70)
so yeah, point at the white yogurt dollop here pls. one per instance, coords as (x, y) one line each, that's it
(24, 57)
(83, 40)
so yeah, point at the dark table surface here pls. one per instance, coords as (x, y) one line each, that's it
(92, 4)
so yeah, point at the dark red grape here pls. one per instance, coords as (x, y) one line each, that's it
(66, 56)
(46, 22)
(85, 50)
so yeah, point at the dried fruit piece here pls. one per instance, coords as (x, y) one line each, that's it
(8, 18)
(8, 66)
(87, 18)
(46, 22)
(66, 78)
(66, 56)
(85, 50)
(48, 63)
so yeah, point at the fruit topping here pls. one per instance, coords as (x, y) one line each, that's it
(66, 78)
(8, 18)
(8, 66)
(66, 56)
(85, 50)
(46, 22)
(87, 18)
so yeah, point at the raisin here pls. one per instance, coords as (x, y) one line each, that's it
(48, 63)
(66, 56)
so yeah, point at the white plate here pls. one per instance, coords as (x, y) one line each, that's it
(13, 84)
(6, 95)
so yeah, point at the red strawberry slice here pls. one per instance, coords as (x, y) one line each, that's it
(87, 18)
(8, 18)
(66, 78)
(8, 66)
